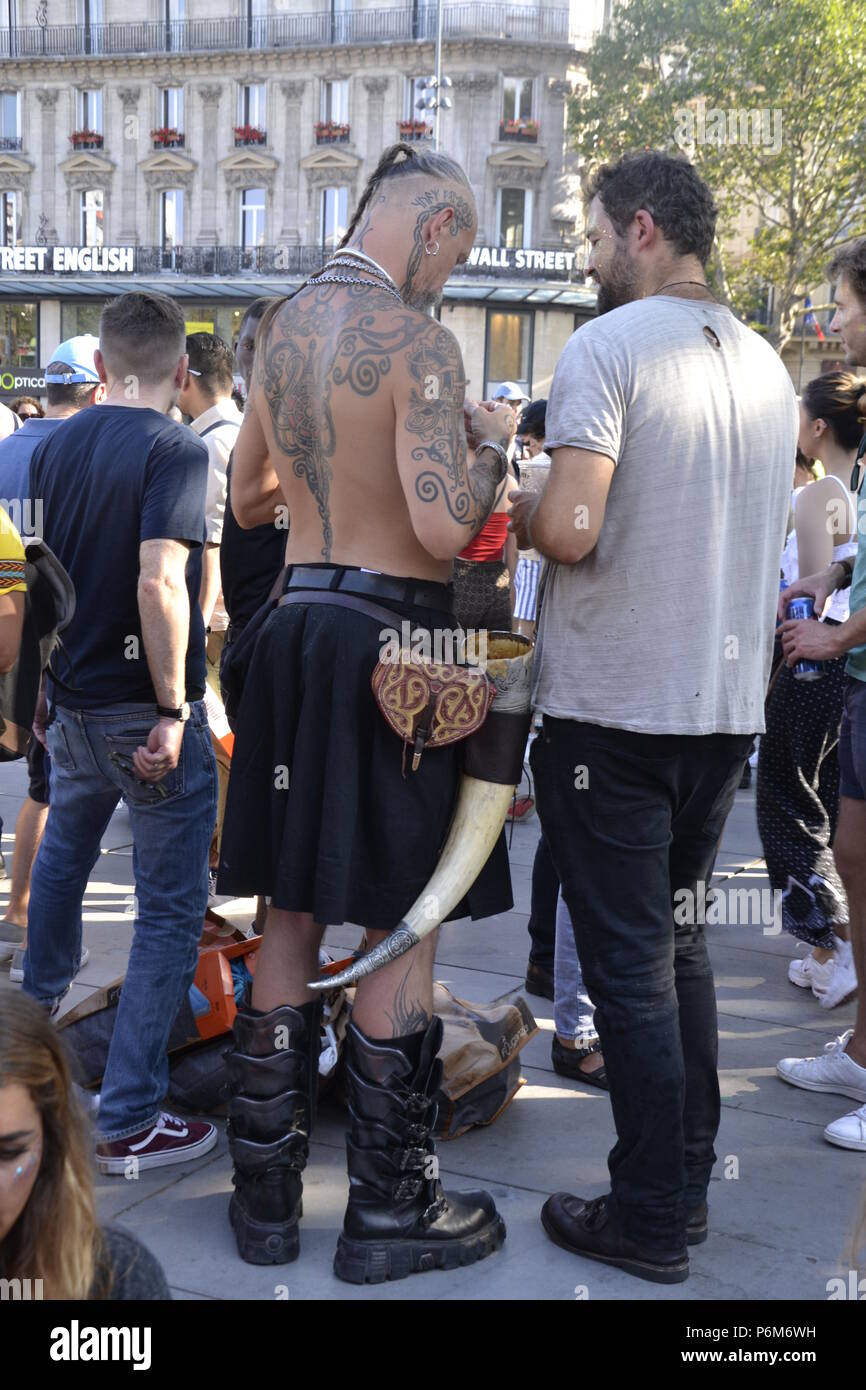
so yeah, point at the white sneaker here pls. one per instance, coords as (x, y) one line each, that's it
(849, 1132)
(841, 984)
(835, 1071)
(809, 973)
(16, 970)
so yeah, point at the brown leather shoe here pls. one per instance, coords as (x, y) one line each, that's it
(538, 980)
(586, 1228)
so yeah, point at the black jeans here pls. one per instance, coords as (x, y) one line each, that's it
(542, 908)
(631, 819)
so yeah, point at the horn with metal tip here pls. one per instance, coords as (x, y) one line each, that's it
(493, 767)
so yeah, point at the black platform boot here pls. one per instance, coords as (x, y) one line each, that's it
(398, 1220)
(273, 1072)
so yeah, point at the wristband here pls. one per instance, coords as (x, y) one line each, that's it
(497, 449)
(847, 568)
(181, 714)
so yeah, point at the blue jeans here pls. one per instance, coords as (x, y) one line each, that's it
(90, 754)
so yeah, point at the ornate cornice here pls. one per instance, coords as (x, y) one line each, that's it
(293, 91)
(211, 93)
(129, 96)
(253, 176)
(160, 179)
(47, 97)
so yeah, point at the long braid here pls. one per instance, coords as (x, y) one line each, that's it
(382, 169)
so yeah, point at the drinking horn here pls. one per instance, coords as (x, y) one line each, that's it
(492, 768)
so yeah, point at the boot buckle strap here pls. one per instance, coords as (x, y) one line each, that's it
(413, 1159)
(434, 1211)
(417, 1103)
(416, 1133)
(407, 1189)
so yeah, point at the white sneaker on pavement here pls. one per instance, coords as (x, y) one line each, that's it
(841, 984)
(16, 970)
(835, 1071)
(805, 972)
(849, 1132)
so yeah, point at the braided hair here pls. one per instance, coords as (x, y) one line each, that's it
(400, 160)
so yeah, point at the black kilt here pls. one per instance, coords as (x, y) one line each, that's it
(350, 839)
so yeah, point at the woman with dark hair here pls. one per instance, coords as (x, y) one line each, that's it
(28, 408)
(798, 770)
(49, 1231)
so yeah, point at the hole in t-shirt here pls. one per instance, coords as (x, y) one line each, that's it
(711, 337)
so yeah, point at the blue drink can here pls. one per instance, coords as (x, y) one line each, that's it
(805, 670)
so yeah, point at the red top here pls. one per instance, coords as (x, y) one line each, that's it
(489, 542)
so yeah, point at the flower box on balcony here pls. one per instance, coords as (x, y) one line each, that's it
(249, 135)
(166, 137)
(518, 130)
(87, 139)
(414, 130)
(331, 133)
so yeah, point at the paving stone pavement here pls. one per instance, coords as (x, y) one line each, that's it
(783, 1202)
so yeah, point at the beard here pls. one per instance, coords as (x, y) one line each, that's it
(620, 284)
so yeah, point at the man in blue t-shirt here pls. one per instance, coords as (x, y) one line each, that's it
(122, 491)
(72, 383)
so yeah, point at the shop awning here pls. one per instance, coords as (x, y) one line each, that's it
(210, 288)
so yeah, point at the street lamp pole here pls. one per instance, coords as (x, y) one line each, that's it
(438, 73)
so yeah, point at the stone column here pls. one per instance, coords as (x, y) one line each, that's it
(208, 234)
(47, 98)
(127, 232)
(554, 139)
(376, 141)
(293, 95)
(484, 129)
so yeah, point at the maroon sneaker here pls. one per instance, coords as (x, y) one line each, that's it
(169, 1140)
(521, 809)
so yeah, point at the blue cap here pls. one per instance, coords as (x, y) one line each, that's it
(77, 354)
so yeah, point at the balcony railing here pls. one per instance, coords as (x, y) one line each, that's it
(297, 262)
(523, 130)
(413, 131)
(11, 142)
(515, 23)
(167, 139)
(249, 135)
(331, 133)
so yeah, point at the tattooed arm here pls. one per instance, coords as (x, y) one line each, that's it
(448, 501)
(255, 491)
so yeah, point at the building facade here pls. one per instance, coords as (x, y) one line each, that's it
(217, 159)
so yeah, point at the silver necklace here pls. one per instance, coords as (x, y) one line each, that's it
(348, 253)
(323, 278)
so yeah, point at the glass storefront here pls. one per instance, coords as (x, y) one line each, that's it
(17, 335)
(222, 319)
(77, 317)
(509, 348)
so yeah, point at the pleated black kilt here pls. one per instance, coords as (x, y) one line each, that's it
(320, 816)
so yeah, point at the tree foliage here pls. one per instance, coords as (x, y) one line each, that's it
(794, 178)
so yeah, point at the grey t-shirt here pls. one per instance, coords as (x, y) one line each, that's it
(666, 627)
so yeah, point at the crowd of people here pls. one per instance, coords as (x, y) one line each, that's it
(633, 524)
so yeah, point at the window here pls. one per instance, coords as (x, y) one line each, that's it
(171, 210)
(341, 18)
(335, 102)
(10, 120)
(90, 231)
(90, 110)
(78, 318)
(171, 110)
(17, 335)
(253, 217)
(9, 219)
(514, 217)
(509, 348)
(174, 11)
(335, 215)
(88, 14)
(516, 98)
(253, 106)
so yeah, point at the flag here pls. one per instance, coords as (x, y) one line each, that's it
(810, 319)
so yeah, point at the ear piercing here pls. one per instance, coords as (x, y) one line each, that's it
(432, 248)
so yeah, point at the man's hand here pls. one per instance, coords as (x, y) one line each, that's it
(804, 639)
(815, 586)
(489, 421)
(523, 504)
(153, 760)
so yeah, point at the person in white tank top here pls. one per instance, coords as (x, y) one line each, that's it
(798, 772)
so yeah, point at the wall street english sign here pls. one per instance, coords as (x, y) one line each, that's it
(106, 260)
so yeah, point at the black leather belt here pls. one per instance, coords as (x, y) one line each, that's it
(337, 579)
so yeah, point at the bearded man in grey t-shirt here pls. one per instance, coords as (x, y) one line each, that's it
(672, 429)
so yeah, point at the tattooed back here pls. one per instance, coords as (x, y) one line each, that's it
(360, 400)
